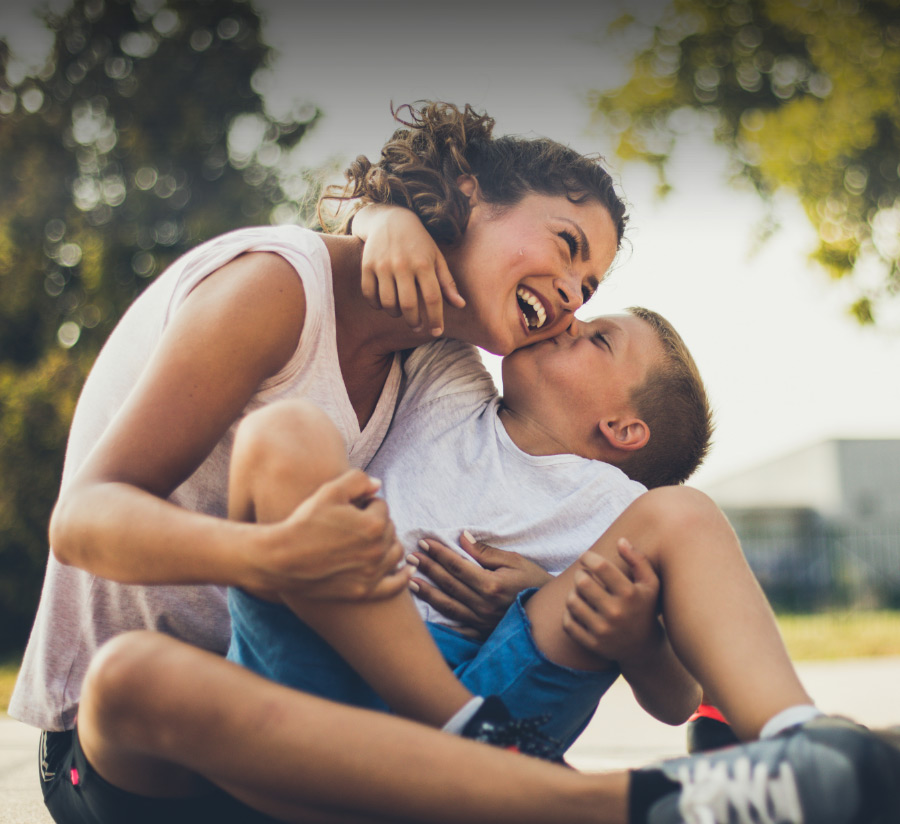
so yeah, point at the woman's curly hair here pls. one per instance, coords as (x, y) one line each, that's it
(421, 163)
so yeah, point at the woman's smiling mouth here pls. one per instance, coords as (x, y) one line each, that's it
(532, 308)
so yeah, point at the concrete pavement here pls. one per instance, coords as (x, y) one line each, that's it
(620, 736)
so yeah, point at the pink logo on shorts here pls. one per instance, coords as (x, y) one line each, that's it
(73, 775)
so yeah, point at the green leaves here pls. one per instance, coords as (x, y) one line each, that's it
(118, 156)
(805, 95)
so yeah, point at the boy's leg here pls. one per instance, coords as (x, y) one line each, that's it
(716, 616)
(282, 454)
(159, 717)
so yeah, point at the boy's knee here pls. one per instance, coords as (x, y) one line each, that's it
(679, 510)
(286, 438)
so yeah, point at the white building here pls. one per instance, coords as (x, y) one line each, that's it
(821, 525)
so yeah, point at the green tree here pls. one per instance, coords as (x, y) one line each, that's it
(141, 136)
(805, 95)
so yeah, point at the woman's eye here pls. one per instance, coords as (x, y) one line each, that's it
(586, 293)
(571, 242)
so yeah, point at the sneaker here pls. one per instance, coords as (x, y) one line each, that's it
(705, 734)
(828, 771)
(493, 724)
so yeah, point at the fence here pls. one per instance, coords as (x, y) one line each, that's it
(807, 564)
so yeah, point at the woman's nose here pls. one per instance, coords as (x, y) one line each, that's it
(569, 294)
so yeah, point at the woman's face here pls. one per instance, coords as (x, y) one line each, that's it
(525, 269)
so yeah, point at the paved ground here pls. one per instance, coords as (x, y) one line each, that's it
(621, 734)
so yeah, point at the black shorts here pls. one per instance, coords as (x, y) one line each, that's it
(75, 794)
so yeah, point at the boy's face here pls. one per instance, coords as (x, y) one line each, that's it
(571, 384)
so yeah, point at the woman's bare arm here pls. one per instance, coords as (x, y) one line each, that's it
(238, 327)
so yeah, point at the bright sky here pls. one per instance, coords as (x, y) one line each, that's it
(784, 364)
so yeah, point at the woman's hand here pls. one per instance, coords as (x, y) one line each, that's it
(339, 544)
(476, 596)
(403, 271)
(611, 613)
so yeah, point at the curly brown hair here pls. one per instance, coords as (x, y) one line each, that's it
(438, 142)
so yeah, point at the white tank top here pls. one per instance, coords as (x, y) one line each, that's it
(79, 611)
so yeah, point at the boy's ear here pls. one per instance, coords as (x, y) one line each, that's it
(627, 434)
(468, 185)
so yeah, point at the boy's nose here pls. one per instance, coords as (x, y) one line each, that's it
(574, 330)
(569, 293)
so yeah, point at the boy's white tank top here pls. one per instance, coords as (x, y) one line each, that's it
(79, 611)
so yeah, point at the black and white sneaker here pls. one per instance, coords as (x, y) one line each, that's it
(493, 724)
(827, 771)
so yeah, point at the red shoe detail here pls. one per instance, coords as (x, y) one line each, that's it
(708, 711)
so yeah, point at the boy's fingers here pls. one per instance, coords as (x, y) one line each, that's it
(408, 299)
(448, 284)
(432, 302)
(641, 568)
(453, 564)
(608, 574)
(387, 296)
(370, 288)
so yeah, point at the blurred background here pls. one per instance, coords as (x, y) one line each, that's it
(756, 141)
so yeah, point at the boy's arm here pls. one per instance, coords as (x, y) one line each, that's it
(403, 270)
(615, 617)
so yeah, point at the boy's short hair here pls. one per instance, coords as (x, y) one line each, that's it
(673, 402)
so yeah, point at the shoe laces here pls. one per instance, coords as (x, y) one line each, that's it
(520, 734)
(746, 795)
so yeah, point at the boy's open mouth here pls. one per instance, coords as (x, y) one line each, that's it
(531, 307)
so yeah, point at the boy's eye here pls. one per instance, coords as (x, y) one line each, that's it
(600, 338)
(571, 241)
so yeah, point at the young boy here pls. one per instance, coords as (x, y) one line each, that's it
(536, 470)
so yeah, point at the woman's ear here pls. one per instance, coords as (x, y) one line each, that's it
(468, 185)
(627, 434)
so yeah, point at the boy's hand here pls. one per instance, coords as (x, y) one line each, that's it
(403, 271)
(477, 595)
(611, 614)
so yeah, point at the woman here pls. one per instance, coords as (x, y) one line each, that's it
(138, 534)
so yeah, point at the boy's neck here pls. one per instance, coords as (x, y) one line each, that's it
(529, 435)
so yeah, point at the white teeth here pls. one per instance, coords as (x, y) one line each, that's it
(534, 302)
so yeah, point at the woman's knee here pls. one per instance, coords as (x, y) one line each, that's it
(124, 671)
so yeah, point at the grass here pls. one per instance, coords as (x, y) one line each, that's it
(841, 634)
(844, 634)
(8, 669)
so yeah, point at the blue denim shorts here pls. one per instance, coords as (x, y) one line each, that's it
(270, 640)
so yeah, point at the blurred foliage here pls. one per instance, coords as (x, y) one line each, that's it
(142, 136)
(805, 95)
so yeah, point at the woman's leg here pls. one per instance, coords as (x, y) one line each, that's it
(159, 717)
(282, 454)
(717, 617)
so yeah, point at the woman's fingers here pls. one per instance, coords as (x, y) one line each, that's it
(447, 606)
(445, 569)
